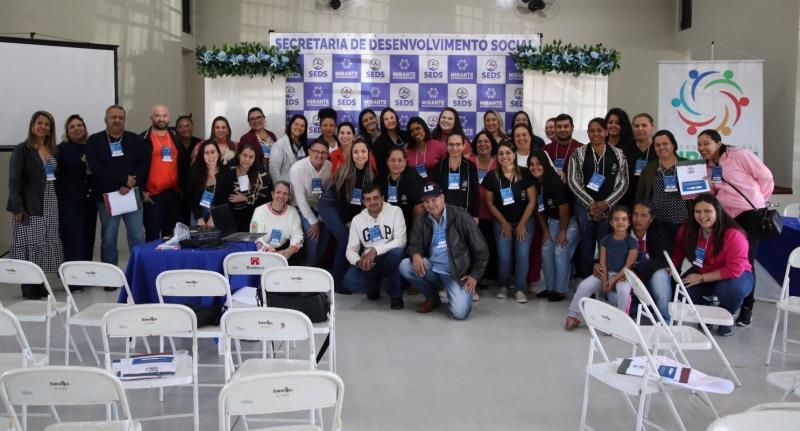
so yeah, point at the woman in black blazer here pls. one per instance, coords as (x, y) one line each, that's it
(211, 183)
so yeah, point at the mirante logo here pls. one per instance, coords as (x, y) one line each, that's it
(375, 92)
(433, 92)
(285, 390)
(404, 64)
(317, 91)
(462, 64)
(347, 63)
(318, 63)
(491, 93)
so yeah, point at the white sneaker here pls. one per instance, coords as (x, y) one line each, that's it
(502, 293)
(443, 295)
(521, 297)
(475, 297)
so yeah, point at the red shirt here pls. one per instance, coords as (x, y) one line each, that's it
(556, 151)
(163, 174)
(435, 151)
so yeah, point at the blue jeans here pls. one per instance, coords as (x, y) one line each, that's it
(660, 288)
(459, 301)
(109, 229)
(313, 248)
(731, 291)
(521, 250)
(370, 281)
(590, 232)
(330, 215)
(557, 260)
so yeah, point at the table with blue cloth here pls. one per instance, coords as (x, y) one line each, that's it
(773, 254)
(145, 263)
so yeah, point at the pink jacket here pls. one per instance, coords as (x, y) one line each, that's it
(749, 174)
(731, 260)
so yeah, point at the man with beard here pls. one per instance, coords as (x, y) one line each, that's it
(161, 194)
(562, 147)
(119, 163)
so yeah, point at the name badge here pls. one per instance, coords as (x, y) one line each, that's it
(266, 149)
(50, 171)
(540, 202)
(116, 148)
(716, 174)
(392, 192)
(699, 257)
(375, 234)
(640, 164)
(559, 165)
(316, 185)
(670, 183)
(481, 176)
(439, 239)
(166, 154)
(422, 171)
(244, 183)
(596, 182)
(275, 237)
(507, 195)
(453, 181)
(356, 199)
(206, 199)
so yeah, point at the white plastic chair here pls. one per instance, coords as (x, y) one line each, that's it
(791, 210)
(661, 336)
(249, 263)
(606, 318)
(282, 393)
(161, 320)
(769, 416)
(65, 385)
(786, 305)
(266, 324)
(88, 273)
(309, 280)
(14, 271)
(787, 381)
(682, 309)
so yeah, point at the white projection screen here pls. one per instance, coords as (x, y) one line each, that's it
(63, 78)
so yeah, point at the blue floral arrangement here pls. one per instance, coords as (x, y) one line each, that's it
(567, 58)
(246, 59)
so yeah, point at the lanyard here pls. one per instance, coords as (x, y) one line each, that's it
(158, 140)
(424, 154)
(108, 137)
(599, 160)
(569, 146)
(707, 238)
(295, 149)
(389, 180)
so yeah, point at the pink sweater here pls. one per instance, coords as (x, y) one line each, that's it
(750, 175)
(434, 152)
(731, 260)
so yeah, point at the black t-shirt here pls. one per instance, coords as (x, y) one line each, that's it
(466, 193)
(554, 193)
(409, 192)
(348, 208)
(496, 181)
(633, 154)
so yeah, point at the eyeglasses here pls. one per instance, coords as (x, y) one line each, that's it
(320, 152)
(260, 117)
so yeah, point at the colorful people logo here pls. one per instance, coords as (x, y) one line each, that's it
(707, 83)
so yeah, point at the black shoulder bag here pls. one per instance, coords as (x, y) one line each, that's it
(771, 220)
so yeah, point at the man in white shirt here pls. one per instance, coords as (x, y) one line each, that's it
(309, 178)
(375, 247)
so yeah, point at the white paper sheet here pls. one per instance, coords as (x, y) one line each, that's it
(691, 178)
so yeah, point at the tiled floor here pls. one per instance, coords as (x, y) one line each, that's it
(510, 366)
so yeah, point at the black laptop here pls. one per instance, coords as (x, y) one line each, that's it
(223, 220)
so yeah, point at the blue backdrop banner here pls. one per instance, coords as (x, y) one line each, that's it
(415, 74)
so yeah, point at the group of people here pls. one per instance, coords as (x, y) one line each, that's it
(431, 210)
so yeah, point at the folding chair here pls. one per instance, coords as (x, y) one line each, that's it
(249, 263)
(87, 273)
(771, 416)
(15, 271)
(661, 336)
(195, 283)
(161, 320)
(606, 318)
(791, 210)
(787, 381)
(266, 324)
(304, 279)
(786, 304)
(282, 393)
(65, 385)
(682, 309)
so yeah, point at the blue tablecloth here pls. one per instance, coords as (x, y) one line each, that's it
(145, 263)
(773, 254)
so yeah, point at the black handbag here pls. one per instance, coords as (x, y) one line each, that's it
(315, 305)
(771, 220)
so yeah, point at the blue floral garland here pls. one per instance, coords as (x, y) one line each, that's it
(567, 58)
(246, 59)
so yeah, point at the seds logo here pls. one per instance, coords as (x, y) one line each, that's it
(346, 100)
(404, 100)
(318, 64)
(491, 73)
(432, 121)
(433, 71)
(375, 66)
